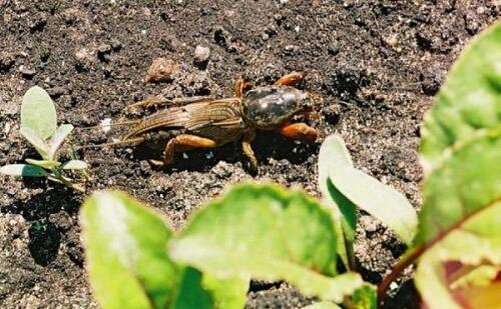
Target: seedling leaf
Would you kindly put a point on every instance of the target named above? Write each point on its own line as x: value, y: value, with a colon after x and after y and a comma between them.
x: 38, y: 112
x: 333, y: 154
x: 40, y: 146
x: 75, y: 165
x: 58, y: 138
x: 125, y: 242
x: 47, y: 164
x: 266, y: 232
x: 379, y: 200
x: 23, y: 170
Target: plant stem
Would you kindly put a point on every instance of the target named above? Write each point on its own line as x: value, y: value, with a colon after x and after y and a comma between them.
x: 57, y: 177
x: 401, y: 265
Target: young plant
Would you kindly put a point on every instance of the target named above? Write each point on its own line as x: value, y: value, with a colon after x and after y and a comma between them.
x: 38, y: 127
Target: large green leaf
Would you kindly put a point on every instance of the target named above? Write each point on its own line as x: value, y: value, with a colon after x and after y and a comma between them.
x: 266, y: 232
x: 470, y: 99
x: 460, y: 222
x: 333, y: 154
x: 38, y: 112
x: 128, y: 265
x: 125, y: 251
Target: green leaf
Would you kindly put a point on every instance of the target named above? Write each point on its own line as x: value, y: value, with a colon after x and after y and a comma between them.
x: 75, y: 165
x: 191, y: 294
x: 363, y: 298
x: 38, y: 112
x: 125, y: 252
x: 379, y: 200
x: 23, y: 170
x: 47, y: 164
x: 462, y: 186
x: 469, y: 100
x: 40, y: 146
x: 475, y: 241
x: 227, y: 293
x: 266, y: 232
x: 58, y: 138
x: 128, y: 265
x: 333, y: 154
x: 460, y: 221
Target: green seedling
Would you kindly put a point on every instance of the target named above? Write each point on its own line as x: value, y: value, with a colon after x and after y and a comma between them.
x: 39, y: 128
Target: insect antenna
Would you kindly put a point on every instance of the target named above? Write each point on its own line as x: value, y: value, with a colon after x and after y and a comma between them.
x: 118, y: 143
x: 111, y: 125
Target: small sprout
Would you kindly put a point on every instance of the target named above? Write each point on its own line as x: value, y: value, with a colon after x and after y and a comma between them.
x: 44, y: 135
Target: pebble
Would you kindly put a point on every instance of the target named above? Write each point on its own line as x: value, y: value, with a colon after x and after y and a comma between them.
x: 161, y: 69
x: 369, y: 224
x: 103, y: 52
x: 202, y: 54
x: 56, y: 92
x: 105, y: 125
x: 222, y: 170
x: 27, y: 72
x: 6, y: 128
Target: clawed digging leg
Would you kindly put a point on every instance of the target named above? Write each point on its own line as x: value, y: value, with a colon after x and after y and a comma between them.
x: 290, y: 79
x: 247, y: 149
x: 299, y: 131
x: 184, y: 142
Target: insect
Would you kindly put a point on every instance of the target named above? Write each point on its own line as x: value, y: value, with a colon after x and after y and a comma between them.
x: 205, y: 122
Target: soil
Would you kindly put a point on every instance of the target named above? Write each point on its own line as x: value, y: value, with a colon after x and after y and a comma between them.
x: 377, y: 65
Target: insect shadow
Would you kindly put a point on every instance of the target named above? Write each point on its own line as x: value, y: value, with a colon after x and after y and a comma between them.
x: 266, y: 145
x: 44, y: 234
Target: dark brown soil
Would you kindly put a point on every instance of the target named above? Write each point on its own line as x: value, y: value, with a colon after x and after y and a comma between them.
x: 376, y: 64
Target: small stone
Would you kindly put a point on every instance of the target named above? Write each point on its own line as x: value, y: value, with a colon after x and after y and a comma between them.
x: 27, y: 72
x: 145, y: 167
x: 369, y: 224
x: 6, y: 128
x: 116, y: 45
x: 105, y: 125
x: 333, y: 48
x: 56, y: 92
x: 222, y: 170
x: 103, y: 52
x: 202, y: 54
x: 38, y: 22
x: 161, y: 69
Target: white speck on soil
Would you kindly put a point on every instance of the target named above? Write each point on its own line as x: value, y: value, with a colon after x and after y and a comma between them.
x: 106, y: 125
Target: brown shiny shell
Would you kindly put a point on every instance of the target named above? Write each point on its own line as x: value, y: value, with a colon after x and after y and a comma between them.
x: 268, y: 107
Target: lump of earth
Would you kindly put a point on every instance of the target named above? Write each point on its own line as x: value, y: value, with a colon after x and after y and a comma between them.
x: 161, y: 69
